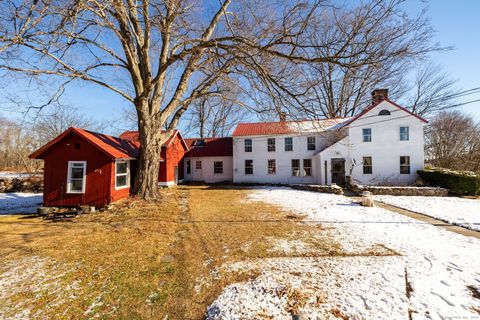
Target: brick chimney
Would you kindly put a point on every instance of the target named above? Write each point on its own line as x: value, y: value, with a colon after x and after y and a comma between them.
x: 283, y: 116
x: 379, y: 95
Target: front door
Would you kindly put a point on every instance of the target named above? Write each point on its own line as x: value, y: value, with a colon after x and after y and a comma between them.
x: 338, y: 171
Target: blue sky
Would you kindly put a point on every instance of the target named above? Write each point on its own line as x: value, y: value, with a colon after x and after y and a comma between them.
x: 457, y: 24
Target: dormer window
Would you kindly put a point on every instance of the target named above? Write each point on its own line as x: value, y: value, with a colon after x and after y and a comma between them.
x: 384, y: 112
x: 199, y: 143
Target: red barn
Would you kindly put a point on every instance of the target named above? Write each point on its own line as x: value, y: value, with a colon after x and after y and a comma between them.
x: 173, y: 151
x: 88, y: 168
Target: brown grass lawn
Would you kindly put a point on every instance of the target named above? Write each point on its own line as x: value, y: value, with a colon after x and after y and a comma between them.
x: 141, y: 260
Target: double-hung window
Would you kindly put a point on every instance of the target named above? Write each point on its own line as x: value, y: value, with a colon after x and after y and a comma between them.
x: 122, y: 174
x: 218, y: 167
x: 367, y: 165
x: 307, y: 167
x: 76, y: 176
x: 295, y: 167
x: 367, y: 135
x: 271, y: 144
x: 198, y: 165
x: 248, y: 166
x: 404, y: 134
x: 288, y: 144
x: 272, y: 169
x: 405, y: 165
x: 310, y: 143
x: 248, y: 145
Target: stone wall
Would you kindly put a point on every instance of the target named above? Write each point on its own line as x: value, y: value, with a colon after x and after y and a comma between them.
x: 28, y: 184
x: 401, y: 191
x: 318, y: 188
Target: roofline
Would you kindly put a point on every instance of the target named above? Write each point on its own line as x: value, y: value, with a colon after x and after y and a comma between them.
x: 176, y: 131
x: 372, y: 106
x: 36, y: 154
x: 303, y: 120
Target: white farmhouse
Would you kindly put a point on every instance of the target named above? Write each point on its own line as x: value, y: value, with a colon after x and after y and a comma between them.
x: 383, y: 145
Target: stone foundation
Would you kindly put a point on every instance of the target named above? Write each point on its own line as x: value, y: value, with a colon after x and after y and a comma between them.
x: 318, y: 188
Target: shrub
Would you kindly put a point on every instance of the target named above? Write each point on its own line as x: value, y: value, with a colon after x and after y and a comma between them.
x: 459, y: 182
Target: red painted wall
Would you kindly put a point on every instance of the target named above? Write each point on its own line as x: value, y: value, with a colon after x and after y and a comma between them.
x: 173, y: 155
x: 100, y: 171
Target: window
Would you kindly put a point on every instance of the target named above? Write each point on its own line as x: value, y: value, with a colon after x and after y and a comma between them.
x: 367, y: 135
x: 295, y: 167
x: 384, y: 112
x: 77, y: 145
x: 76, y: 176
x: 199, y: 143
x: 307, y: 167
x: 288, y: 144
x: 122, y: 174
x: 404, y: 134
x: 198, y: 165
x: 189, y: 167
x: 367, y: 165
x: 248, y: 145
x: 248, y: 166
x: 405, y: 165
x: 271, y: 166
x: 310, y: 143
x: 271, y: 144
x: 218, y: 167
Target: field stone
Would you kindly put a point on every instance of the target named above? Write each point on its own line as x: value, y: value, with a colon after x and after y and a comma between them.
x: 167, y: 258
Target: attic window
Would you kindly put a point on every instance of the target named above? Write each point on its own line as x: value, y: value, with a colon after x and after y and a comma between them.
x: 199, y: 143
x: 77, y: 145
x: 384, y: 112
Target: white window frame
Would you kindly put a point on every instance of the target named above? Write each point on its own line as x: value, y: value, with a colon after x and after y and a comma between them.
x: 308, y: 167
x: 311, y: 143
x: 215, y: 162
x: 122, y: 174
x: 407, y: 133
x: 364, y: 135
x: 69, y: 177
x: 290, y: 145
x: 248, y: 145
x: 271, y: 166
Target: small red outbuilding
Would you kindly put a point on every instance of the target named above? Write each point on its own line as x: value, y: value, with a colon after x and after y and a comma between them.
x: 88, y: 168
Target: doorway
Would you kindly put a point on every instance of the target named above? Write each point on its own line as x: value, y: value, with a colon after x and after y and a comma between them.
x: 338, y: 171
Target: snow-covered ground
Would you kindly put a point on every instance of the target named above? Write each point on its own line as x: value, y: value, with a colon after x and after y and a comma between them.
x: 19, y: 202
x: 462, y: 212
x: 11, y: 175
x: 429, y: 278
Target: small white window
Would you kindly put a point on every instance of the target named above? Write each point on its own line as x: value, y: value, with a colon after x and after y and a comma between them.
x: 122, y: 174
x: 404, y: 134
x: 218, y: 167
x: 198, y: 165
x: 76, y: 176
x: 367, y: 135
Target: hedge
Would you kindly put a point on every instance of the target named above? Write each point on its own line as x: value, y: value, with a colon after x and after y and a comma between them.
x: 458, y: 182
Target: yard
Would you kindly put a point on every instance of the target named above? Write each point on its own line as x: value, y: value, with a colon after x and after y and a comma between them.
x: 237, y: 253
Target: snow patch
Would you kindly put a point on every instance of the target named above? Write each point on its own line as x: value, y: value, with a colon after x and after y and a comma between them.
x: 19, y: 202
x: 458, y: 211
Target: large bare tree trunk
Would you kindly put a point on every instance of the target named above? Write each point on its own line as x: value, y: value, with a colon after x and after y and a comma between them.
x: 148, y: 165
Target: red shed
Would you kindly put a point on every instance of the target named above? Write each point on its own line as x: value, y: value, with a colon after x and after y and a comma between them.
x: 86, y: 168
x: 173, y: 151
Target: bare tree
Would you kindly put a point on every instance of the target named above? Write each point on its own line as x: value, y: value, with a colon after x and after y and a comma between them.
x: 162, y: 55
x: 47, y: 126
x: 16, y: 143
x: 453, y: 141
x: 433, y: 90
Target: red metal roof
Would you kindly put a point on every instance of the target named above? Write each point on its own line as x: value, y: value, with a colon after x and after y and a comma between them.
x: 133, y: 136
x: 213, y: 147
x: 113, y: 147
x: 285, y: 127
